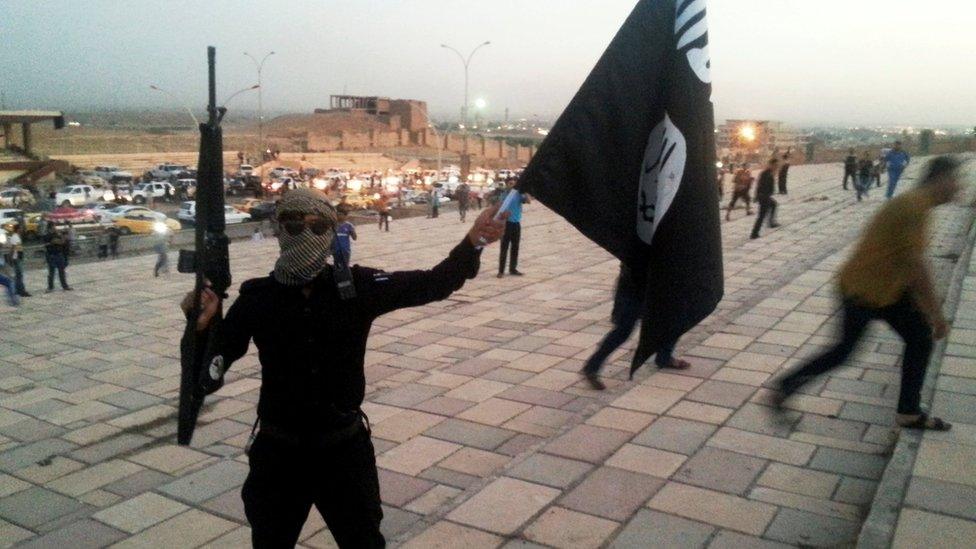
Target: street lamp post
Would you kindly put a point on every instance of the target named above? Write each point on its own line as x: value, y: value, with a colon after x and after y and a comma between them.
x: 259, y: 65
x: 196, y: 123
x: 466, y: 61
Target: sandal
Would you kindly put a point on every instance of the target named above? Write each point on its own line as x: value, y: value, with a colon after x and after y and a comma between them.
x: 923, y: 421
x: 675, y: 364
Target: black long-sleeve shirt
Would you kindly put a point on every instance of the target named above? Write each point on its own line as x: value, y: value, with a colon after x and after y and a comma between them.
x: 311, y: 349
x: 767, y: 184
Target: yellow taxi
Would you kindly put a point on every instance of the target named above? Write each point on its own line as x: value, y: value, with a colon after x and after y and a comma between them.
x: 31, y: 224
x: 145, y: 223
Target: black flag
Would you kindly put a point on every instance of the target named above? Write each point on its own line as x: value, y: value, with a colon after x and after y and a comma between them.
x: 631, y: 164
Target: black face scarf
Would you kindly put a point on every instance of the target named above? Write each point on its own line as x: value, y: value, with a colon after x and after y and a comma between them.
x: 303, y: 256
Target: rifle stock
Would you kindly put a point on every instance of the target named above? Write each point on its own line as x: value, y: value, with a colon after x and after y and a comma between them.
x: 202, y: 370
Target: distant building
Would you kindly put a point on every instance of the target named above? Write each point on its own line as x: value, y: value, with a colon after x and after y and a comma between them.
x: 399, y: 114
x: 756, y: 140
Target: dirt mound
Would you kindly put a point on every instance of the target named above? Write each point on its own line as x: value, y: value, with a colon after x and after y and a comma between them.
x: 332, y: 123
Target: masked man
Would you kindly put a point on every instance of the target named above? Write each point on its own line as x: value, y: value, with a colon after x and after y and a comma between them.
x: 313, y: 444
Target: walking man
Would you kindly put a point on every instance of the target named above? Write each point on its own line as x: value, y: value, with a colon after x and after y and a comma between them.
x: 741, y: 185
x: 850, y: 168
x: 864, y: 168
x: 896, y: 161
x: 113, y: 242
x: 764, y: 195
x: 783, y: 171
x: 56, y: 254
x: 888, y: 278
x: 463, y: 194
x: 513, y: 233
x: 162, y: 253
x: 313, y: 442
x: 627, y: 301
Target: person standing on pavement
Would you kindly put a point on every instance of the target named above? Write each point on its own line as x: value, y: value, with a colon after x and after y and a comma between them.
x: 888, y: 278
x: 513, y: 232
x: 764, y: 195
x: 896, y: 160
x: 383, y: 208
x: 628, y: 301
x: 55, y: 253
x: 313, y: 442
x: 162, y: 253
x: 741, y: 185
x: 113, y: 241
x: 345, y: 234
x: 463, y: 194
x: 16, y: 258
x: 6, y: 281
x: 783, y: 171
x: 864, y: 168
x: 850, y: 168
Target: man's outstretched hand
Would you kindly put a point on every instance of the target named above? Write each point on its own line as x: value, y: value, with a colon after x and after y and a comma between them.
x: 486, y: 229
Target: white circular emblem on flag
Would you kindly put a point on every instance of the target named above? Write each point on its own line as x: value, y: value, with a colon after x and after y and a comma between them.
x: 216, y: 367
x: 661, y: 173
x: 688, y: 28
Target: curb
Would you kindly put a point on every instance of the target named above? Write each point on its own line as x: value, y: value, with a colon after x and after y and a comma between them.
x: 878, y: 530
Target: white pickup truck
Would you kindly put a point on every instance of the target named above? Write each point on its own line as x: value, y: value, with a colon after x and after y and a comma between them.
x: 155, y: 189
x: 163, y: 172
x: 76, y: 195
x: 112, y: 173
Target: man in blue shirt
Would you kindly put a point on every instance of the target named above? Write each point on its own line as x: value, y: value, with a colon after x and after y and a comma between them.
x: 513, y: 232
x: 896, y: 160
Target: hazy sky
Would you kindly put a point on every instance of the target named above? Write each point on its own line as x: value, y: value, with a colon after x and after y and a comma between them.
x: 804, y: 61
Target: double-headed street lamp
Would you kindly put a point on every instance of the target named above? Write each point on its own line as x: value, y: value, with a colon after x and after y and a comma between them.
x: 466, y: 61
x: 196, y: 123
x: 259, y: 65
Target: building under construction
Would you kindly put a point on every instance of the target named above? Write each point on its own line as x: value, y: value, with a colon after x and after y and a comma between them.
x: 399, y: 114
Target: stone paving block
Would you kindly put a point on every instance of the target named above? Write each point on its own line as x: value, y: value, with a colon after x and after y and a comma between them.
x: 819, y: 506
x: 472, y: 461
x: 869, y: 413
x: 29, y: 454
x: 831, y: 427
x: 449, y: 477
x: 560, y: 527
x: 110, y: 447
x: 845, y: 462
x: 169, y: 458
x: 611, y: 493
x: 763, y: 446
x: 415, y: 455
x: 649, y: 399
x: 36, y: 506
x: 227, y: 505
x: 447, y: 535
x: 708, y: 413
x: 674, y: 434
x: 504, y: 505
x: 763, y: 420
x: 468, y: 433
x: 239, y: 537
x: 434, y: 498
x: 955, y: 407
x: 444, y: 406
x: 397, y: 489
x: 534, y: 395
x: 756, y: 362
x: 11, y: 485
x: 405, y: 425
x: 946, y: 461
x: 549, y: 470
x: 712, y: 507
x: 47, y: 470
x: 743, y: 377
x: 622, y: 420
x: 588, y: 443
x: 138, y: 483
x: 947, y: 498
x: 799, y: 480
x: 650, y: 529
x: 11, y: 534
x: 494, y: 411
x: 189, y: 529
x: 207, y: 482
x: 922, y: 529
x: 140, y: 512
x: 93, y: 477
x: 721, y: 470
x: 84, y: 534
x: 409, y: 394
x: 477, y: 390
x: 648, y: 461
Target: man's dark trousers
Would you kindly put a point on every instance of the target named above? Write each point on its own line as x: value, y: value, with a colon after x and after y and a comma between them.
x: 513, y: 234
x: 767, y: 206
x: 287, y: 478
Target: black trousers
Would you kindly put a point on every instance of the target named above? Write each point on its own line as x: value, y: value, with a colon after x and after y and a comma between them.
x: 852, y: 175
x: 56, y: 262
x: 781, y: 184
x: 767, y: 207
x: 903, y: 317
x: 736, y: 195
x: 511, y: 239
x: 286, y: 479
x: 385, y: 219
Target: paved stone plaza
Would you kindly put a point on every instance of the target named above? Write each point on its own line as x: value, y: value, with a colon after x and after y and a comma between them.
x: 484, y: 434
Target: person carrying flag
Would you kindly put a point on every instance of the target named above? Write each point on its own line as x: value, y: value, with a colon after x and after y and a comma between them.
x: 627, y: 301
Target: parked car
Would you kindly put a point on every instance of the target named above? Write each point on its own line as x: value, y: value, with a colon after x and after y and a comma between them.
x: 189, y: 186
x: 8, y: 214
x: 246, y: 169
x: 112, y: 173
x: 234, y: 187
x: 31, y: 223
x: 139, y: 222
x: 162, y: 172
x: 76, y: 195
x: 188, y: 213
x: 264, y: 210
x: 87, y: 177
x: 248, y: 203
x: 121, y: 211
x: 67, y: 214
x: 16, y: 197
x: 98, y: 209
x: 123, y: 193
x: 156, y: 189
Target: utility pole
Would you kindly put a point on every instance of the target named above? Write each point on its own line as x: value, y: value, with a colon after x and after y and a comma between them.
x: 259, y: 65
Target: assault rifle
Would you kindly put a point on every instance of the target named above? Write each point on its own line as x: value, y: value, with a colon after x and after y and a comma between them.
x: 202, y: 370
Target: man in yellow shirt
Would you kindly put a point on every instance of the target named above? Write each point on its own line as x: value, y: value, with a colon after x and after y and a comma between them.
x: 887, y: 278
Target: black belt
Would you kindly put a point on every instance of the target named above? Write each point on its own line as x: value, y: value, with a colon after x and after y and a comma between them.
x: 329, y: 438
